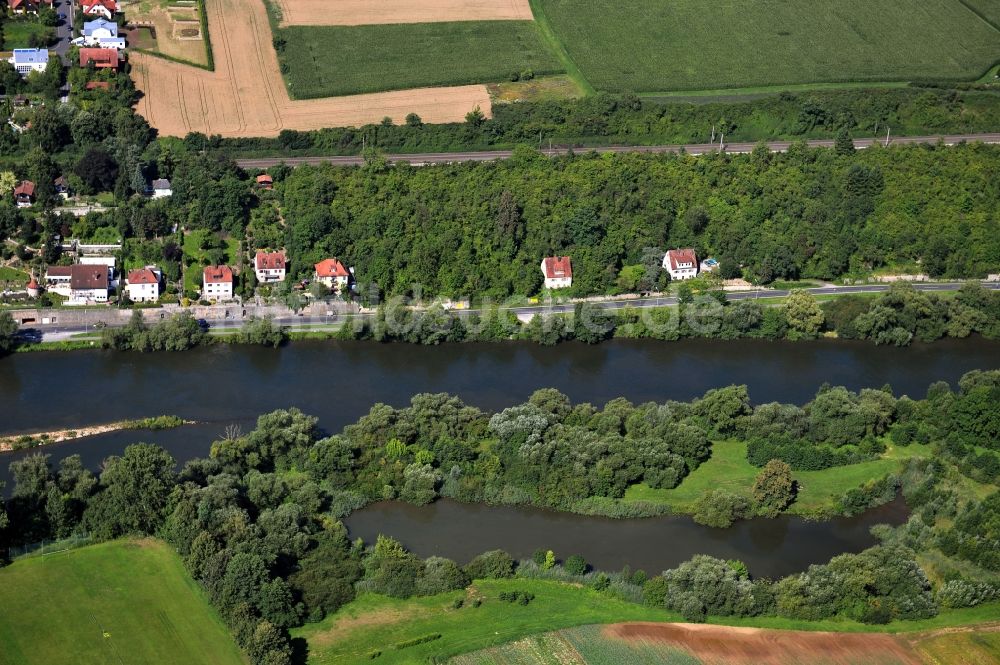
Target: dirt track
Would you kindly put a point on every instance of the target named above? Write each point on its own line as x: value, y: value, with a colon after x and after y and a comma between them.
x: 370, y: 12
x: 245, y: 95
x: 723, y: 645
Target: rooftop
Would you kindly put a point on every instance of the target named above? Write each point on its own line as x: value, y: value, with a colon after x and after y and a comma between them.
x: 218, y: 275
x: 331, y: 268
x: 556, y: 267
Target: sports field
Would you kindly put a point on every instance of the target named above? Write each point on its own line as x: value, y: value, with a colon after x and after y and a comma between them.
x: 327, y: 61
x: 662, y: 45
x: 120, y: 602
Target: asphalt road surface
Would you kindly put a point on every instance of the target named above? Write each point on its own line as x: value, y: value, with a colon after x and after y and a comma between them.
x: 424, y: 159
x: 59, y: 333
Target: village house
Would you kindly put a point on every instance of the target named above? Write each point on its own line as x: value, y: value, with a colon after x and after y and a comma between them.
x: 61, y: 185
x: 332, y: 274
x: 102, y: 58
x: 24, y: 194
x: 143, y: 285
x: 160, y: 188
x: 82, y: 284
x: 105, y: 8
x: 28, y: 6
x: 265, y: 181
x: 217, y: 283
x: 270, y: 266
x: 27, y: 60
x: 681, y: 264
x: 558, y: 272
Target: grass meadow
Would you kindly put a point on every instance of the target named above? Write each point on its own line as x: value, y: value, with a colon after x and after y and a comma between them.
x: 118, y: 602
x: 988, y: 9
x: 327, y: 61
x: 650, y: 46
x: 729, y: 469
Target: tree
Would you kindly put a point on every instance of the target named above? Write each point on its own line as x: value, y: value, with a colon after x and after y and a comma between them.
x: 134, y: 492
x: 804, y: 315
x: 575, y: 565
x: 844, y: 145
x: 8, y: 332
x: 413, y: 120
x: 97, y: 170
x: 720, y: 508
x: 8, y: 181
x: 773, y: 489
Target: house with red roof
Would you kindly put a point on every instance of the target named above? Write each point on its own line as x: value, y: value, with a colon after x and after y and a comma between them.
x: 264, y: 181
x: 681, y: 264
x: 270, y: 266
x: 102, y: 58
x: 105, y: 8
x: 24, y: 194
x: 558, y: 272
x: 143, y: 285
x: 217, y: 283
x: 332, y: 274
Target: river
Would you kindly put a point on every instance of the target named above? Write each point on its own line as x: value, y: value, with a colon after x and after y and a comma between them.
x: 338, y: 382
x: 770, y: 548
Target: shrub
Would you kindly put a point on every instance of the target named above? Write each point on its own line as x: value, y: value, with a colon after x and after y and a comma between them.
x: 492, y: 565
x: 720, y: 508
x: 575, y: 565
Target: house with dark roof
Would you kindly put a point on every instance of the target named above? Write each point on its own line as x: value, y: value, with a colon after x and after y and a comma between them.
x: 557, y: 271
x: 217, y: 283
x: 61, y: 185
x: 28, y: 6
x: 270, y: 266
x: 681, y: 264
x: 24, y: 194
x: 160, y: 188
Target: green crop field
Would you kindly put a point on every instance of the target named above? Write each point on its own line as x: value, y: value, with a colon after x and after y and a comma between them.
x: 661, y: 45
x: 729, y: 469
x: 119, y: 602
x: 327, y: 61
x: 988, y: 9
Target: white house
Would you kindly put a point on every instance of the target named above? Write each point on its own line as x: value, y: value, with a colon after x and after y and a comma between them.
x: 681, y: 264
x: 270, y: 267
x: 143, y: 285
x: 333, y: 274
x: 100, y: 28
x: 27, y: 60
x: 558, y: 272
x: 217, y: 283
x: 161, y: 188
x: 82, y: 284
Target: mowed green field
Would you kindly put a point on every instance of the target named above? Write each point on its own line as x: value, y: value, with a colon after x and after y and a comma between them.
x: 664, y: 45
x: 57, y: 609
x: 327, y: 61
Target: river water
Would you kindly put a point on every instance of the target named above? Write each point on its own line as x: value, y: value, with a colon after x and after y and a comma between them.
x: 770, y: 548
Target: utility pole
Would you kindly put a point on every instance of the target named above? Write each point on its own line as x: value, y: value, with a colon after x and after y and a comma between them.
x: 722, y: 144
x: 713, y: 134
x: 887, y: 129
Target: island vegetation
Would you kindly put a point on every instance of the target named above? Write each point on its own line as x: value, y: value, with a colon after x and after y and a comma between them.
x: 258, y: 522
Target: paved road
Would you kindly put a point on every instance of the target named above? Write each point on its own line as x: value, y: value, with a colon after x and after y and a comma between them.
x: 63, y: 333
x: 693, y: 149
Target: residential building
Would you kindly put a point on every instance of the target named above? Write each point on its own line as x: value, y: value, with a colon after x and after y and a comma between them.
x: 105, y: 8
x: 217, y: 283
x: 332, y: 274
x: 28, y: 6
x: 82, y: 284
x: 161, y: 188
x: 681, y: 264
x: 27, y: 60
x: 62, y: 186
x: 101, y: 58
x: 265, y: 181
x: 270, y: 266
x: 94, y: 30
x: 24, y: 194
x: 558, y: 272
x: 143, y: 285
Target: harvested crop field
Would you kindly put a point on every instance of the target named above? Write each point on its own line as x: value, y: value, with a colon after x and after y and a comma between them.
x: 369, y: 12
x: 706, y: 45
x: 246, y: 96
x: 326, y: 61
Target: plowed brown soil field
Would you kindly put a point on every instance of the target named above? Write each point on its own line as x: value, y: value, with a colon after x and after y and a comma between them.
x: 245, y: 95
x: 371, y: 12
x: 724, y: 645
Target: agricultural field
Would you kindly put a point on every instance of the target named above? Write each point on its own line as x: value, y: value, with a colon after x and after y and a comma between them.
x: 245, y: 95
x: 327, y: 61
x: 729, y: 469
x: 988, y: 9
x: 178, y: 28
x: 697, y: 45
x: 117, y: 602
x: 365, y: 12
x: 687, y: 644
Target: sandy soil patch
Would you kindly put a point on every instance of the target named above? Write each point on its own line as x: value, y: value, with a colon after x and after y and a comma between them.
x: 375, y: 12
x: 167, y: 19
x: 246, y: 96
x: 724, y: 645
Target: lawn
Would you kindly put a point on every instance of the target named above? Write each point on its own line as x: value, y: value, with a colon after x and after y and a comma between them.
x: 118, y: 602
x: 327, y: 61
x: 373, y: 622
x: 12, y: 277
x: 192, y: 248
x: 17, y: 31
x: 728, y: 469
x: 651, y: 45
